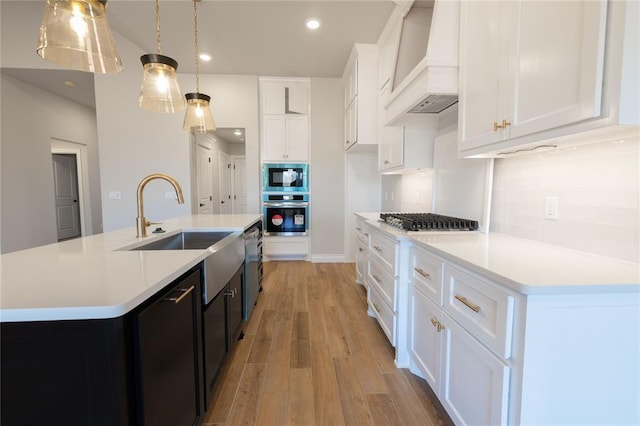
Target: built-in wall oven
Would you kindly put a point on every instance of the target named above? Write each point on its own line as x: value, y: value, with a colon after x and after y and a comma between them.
x: 286, y: 214
x: 280, y: 177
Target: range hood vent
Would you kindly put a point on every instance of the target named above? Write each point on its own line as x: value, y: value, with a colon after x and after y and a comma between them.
x: 429, y: 36
x: 434, y: 104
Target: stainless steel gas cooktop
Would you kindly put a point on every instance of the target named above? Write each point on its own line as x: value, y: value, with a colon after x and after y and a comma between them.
x: 428, y: 222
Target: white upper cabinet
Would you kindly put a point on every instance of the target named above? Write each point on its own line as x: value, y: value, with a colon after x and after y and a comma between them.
x: 284, y: 117
x: 406, y: 149
x: 361, y: 98
x: 282, y: 96
x: 534, y: 71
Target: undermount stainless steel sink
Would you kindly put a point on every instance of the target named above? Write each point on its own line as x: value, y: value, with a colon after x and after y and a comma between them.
x: 226, y: 255
x: 186, y: 241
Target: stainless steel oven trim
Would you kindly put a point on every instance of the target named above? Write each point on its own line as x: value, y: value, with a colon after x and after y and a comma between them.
x: 286, y: 204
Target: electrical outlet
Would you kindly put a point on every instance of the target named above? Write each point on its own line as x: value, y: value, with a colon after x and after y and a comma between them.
x: 551, y: 208
x: 115, y: 195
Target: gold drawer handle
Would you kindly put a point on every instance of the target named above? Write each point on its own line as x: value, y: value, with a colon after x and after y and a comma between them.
x: 475, y: 308
x: 437, y: 324
x: 505, y: 123
x: 378, y: 248
x: 377, y: 278
x: 185, y: 292
x: 496, y: 126
x: 422, y: 272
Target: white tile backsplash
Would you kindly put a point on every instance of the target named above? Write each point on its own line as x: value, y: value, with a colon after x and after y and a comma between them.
x: 598, y: 190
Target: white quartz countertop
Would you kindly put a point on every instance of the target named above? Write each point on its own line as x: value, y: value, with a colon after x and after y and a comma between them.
x: 93, y: 277
x: 526, y: 266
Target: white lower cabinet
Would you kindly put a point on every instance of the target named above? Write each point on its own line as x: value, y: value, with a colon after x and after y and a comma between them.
x: 471, y: 381
x: 382, y: 281
x: 475, y: 383
x: 425, y: 338
x: 494, y: 356
x: 362, y: 250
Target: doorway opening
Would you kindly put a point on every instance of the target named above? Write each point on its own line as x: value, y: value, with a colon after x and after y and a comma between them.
x: 67, y: 189
x: 219, y: 172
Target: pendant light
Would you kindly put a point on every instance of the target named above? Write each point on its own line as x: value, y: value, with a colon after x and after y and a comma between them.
x: 160, y: 91
x: 76, y: 35
x: 198, y: 117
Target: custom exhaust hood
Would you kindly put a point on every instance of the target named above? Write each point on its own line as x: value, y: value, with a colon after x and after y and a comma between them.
x: 425, y: 78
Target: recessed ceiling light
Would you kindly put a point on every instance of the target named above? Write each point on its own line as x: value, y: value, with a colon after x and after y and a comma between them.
x: 312, y: 23
x: 205, y: 57
x: 69, y: 83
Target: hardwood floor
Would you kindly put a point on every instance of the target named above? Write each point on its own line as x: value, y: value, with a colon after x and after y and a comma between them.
x: 311, y: 356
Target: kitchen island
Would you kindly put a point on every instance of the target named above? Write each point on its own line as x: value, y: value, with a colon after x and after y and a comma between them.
x: 98, y: 276
x: 100, y: 330
x: 507, y: 330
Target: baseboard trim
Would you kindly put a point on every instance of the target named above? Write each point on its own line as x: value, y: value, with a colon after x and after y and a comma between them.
x: 328, y: 258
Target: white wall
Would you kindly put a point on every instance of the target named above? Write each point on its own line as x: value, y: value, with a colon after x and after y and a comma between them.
x: 28, y: 215
x: 326, y: 171
x: 135, y: 143
x: 598, y: 189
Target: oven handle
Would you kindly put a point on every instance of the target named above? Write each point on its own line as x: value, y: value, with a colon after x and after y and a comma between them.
x: 287, y: 204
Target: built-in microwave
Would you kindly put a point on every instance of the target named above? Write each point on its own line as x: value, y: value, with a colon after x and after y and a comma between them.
x: 278, y: 177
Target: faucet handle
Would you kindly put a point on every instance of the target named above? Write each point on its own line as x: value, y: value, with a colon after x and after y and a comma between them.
x: 147, y: 223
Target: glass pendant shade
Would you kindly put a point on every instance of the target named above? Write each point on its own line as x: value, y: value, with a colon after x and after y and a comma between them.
x: 76, y: 35
x: 198, y: 118
x: 160, y: 91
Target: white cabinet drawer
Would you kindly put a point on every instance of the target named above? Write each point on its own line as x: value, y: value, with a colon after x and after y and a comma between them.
x: 384, y: 315
x: 361, y: 231
x: 485, y: 310
x: 426, y: 274
x: 384, y: 248
x: 380, y: 278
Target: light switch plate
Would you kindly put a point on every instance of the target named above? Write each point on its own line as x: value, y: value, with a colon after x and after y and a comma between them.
x: 551, y: 208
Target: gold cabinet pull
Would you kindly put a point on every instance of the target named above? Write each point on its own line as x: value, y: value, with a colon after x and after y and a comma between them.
x: 185, y: 292
x: 377, y: 278
x: 505, y: 123
x: 422, y: 272
x: 377, y: 248
x: 437, y: 324
x: 475, y: 308
x: 496, y: 126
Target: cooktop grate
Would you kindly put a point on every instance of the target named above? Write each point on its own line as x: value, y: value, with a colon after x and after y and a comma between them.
x: 428, y: 222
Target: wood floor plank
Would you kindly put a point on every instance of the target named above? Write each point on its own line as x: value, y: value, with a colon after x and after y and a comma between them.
x: 226, y: 387
x: 353, y: 401
x: 262, y: 341
x: 328, y: 409
x: 409, y: 408
x: 245, y: 406
x: 428, y: 399
x: 301, y: 396
x: 383, y: 410
x: 336, y: 334
x: 273, y: 405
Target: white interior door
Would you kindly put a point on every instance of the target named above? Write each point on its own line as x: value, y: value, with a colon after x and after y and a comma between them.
x: 239, y: 185
x: 204, y: 179
x: 65, y: 181
x: 225, y: 183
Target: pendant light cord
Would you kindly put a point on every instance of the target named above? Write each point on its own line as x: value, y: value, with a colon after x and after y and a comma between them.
x: 158, y: 25
x: 195, y: 27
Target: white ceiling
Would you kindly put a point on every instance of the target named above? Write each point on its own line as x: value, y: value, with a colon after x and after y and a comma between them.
x: 259, y: 37
x: 254, y: 37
